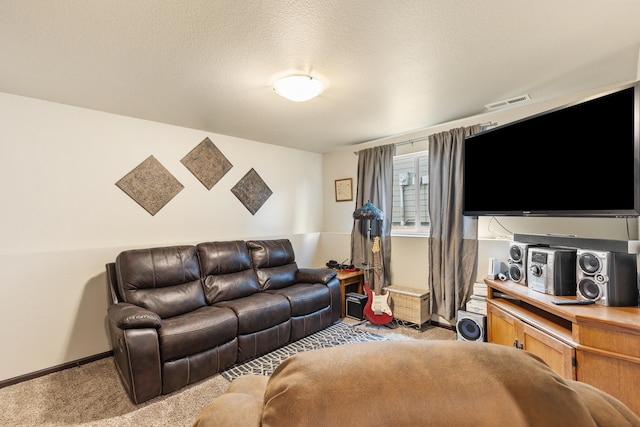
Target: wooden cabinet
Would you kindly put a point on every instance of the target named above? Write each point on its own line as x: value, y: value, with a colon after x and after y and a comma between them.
x: 507, y: 329
x: 594, y: 344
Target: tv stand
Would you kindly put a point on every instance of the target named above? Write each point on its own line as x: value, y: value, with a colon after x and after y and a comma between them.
x: 593, y: 344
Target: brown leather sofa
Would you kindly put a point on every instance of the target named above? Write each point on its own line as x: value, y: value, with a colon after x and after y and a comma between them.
x: 180, y: 314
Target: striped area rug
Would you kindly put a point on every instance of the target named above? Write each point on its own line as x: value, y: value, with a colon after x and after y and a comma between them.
x: 337, y: 334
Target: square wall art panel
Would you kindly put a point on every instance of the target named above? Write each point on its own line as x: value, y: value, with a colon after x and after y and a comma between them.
x: 252, y: 191
x: 150, y: 185
x: 207, y: 163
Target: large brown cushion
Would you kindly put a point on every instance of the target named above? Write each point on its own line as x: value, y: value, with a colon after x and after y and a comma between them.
x: 227, y: 270
x: 240, y: 406
x: 406, y: 383
x: 415, y: 383
x: 259, y: 311
x: 197, y: 331
x: 274, y: 262
x: 604, y: 408
x: 305, y: 298
x: 163, y: 280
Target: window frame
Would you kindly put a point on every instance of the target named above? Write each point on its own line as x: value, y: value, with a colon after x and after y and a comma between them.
x: 418, y: 230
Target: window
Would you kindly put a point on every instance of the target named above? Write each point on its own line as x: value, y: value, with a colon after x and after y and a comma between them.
x: 410, y: 194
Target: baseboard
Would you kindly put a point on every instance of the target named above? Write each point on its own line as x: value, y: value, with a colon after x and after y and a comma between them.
x: 43, y: 372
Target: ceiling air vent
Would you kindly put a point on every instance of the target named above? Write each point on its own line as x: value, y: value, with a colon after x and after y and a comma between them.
x: 507, y: 102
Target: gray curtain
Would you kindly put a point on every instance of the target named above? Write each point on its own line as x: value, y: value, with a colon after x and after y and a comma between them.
x: 453, y: 240
x: 375, y: 184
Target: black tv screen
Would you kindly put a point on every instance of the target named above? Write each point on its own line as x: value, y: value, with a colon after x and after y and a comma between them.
x: 578, y: 160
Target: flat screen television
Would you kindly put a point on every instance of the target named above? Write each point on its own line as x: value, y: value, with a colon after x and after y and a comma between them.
x: 578, y: 160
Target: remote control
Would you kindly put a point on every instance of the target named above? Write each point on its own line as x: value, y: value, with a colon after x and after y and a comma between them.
x: 574, y: 302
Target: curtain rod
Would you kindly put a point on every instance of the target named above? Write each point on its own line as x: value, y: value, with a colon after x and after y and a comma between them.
x: 424, y: 138
x: 411, y: 141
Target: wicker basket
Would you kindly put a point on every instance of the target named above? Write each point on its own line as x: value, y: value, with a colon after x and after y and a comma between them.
x: 408, y: 304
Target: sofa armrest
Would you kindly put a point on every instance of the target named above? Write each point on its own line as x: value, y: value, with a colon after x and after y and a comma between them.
x: 129, y: 316
x: 328, y: 278
x: 133, y: 331
x: 315, y: 275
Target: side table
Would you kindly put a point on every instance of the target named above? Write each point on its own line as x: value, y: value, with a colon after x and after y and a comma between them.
x: 352, y: 279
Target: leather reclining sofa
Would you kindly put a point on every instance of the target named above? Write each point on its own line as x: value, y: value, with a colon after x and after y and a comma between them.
x: 180, y: 314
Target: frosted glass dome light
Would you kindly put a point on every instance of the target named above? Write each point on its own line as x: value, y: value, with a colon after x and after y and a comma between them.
x: 298, y: 88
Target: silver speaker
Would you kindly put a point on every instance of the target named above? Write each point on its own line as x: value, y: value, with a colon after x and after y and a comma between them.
x: 471, y: 326
x: 608, y: 278
x: 517, y: 261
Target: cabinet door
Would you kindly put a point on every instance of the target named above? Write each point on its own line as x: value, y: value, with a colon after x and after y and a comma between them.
x: 558, y: 355
x: 506, y: 329
x: 501, y: 326
x: 617, y: 376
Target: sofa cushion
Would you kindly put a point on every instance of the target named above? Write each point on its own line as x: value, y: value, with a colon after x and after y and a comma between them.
x: 415, y: 383
x: 454, y: 382
x: 277, y: 277
x: 271, y: 253
x: 258, y: 311
x: 226, y: 287
x: 164, y: 280
x: 240, y: 405
x: 227, y: 270
x: 274, y: 262
x: 305, y: 298
x: 199, y: 330
x: 605, y: 409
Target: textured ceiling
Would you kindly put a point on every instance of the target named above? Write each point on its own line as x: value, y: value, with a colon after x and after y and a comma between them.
x: 389, y: 67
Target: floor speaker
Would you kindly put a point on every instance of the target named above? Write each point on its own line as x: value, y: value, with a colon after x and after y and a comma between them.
x: 471, y: 326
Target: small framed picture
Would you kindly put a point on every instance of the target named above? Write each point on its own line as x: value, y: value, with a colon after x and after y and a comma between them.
x: 344, y: 190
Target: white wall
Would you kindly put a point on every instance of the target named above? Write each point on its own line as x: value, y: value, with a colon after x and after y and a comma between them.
x: 63, y: 218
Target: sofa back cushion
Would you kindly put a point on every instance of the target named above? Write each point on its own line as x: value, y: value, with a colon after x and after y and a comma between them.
x: 164, y: 280
x: 227, y: 271
x: 274, y: 262
x: 424, y: 382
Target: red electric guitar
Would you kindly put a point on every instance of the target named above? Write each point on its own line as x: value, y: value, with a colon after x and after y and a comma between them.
x: 377, y: 309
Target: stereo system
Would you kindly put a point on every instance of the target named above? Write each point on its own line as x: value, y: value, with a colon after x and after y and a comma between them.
x: 608, y: 277
x: 552, y: 271
x: 471, y: 326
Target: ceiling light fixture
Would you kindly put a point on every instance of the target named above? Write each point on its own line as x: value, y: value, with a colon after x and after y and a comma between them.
x: 298, y: 88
